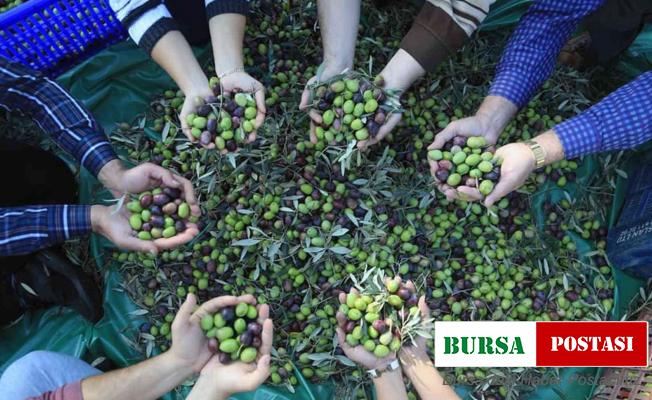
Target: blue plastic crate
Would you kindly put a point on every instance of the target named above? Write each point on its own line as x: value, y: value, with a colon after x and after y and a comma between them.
x: 54, y: 35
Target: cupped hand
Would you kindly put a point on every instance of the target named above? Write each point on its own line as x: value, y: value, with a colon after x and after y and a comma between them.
x: 358, y: 354
x: 190, y: 104
x: 219, y: 381
x: 518, y: 162
x: 243, y: 82
x: 114, y: 225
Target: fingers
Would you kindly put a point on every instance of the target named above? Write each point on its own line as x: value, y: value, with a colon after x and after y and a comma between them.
x: 189, y: 193
x: 315, y: 116
x: 260, y: 104
x: 213, y: 305
x: 186, y: 310
x: 505, y: 186
x: 423, y: 307
x: 313, y: 133
x: 444, y: 136
x: 469, y: 193
x: 305, y: 98
x: 263, y: 313
x: 384, y: 130
x: 252, y: 137
x: 341, y: 339
x: 341, y: 318
x: 261, y: 373
x: 267, y: 337
x: 135, y: 244
x: 177, y: 240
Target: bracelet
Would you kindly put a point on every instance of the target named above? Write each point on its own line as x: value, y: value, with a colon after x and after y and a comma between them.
x: 539, y: 153
x: 375, y: 373
x: 231, y: 71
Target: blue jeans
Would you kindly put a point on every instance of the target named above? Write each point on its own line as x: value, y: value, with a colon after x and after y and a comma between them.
x: 42, y: 371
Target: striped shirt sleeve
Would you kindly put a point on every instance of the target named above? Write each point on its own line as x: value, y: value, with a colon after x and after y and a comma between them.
x: 441, y: 28
x: 54, y: 110
x: 532, y: 50
x: 147, y: 21
x: 24, y: 230
x: 620, y: 121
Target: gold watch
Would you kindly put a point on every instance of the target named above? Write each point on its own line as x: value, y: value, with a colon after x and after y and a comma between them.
x: 539, y: 153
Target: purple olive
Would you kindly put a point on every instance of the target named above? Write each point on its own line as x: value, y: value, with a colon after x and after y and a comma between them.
x: 206, y: 138
x: 238, y: 112
x: 380, y: 117
x: 256, y: 342
x: 211, y: 125
x: 180, y: 226
x: 404, y: 293
x: 146, y: 200
x: 224, y: 358
x: 380, y: 326
x: 459, y: 141
x: 228, y: 313
x: 255, y: 328
x: 161, y: 199
x: 155, y: 210
x: 230, y: 106
x: 157, y: 221
x: 146, y: 227
x: 210, y: 99
x: 445, y: 164
x: 373, y: 128
x: 246, y: 338
x: 349, y: 327
x: 203, y: 110
x: 172, y: 193
x: 231, y: 145
x: 441, y: 175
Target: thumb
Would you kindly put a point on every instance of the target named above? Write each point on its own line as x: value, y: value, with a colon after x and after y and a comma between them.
x: 186, y: 309
x: 261, y: 372
x: 505, y: 185
x: 305, y: 98
x: 444, y: 136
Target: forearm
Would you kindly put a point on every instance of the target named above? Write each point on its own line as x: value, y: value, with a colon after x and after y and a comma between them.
x: 401, y: 71
x: 390, y: 386
x: 338, y: 21
x: 31, y: 228
x: 173, y: 53
x: 497, y: 112
x: 227, y: 35
x: 429, y: 383
x: 620, y: 121
x: 149, y: 379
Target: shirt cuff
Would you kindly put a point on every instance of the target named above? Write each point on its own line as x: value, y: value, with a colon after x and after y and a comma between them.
x: 511, y: 84
x: 217, y: 7
x: 433, y: 37
x: 68, y: 221
x: 580, y: 135
x: 150, y: 27
x: 94, y: 151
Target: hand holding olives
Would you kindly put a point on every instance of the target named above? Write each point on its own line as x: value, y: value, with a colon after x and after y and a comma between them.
x: 350, y: 107
x: 465, y: 168
x: 162, y: 213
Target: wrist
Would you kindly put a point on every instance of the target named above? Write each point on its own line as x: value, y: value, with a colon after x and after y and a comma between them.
x: 496, y: 112
x: 111, y: 175
x: 401, y: 71
x: 333, y: 66
x: 389, y: 378
x: 97, y: 215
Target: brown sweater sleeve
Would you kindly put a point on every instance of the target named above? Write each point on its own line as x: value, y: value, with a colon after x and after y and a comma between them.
x: 441, y: 28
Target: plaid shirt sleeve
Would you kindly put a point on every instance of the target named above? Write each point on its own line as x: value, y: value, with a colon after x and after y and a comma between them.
x: 532, y: 50
x: 67, y: 121
x: 620, y: 121
x: 24, y: 230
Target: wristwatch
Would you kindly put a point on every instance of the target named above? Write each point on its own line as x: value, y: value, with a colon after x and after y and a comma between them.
x: 375, y: 373
x: 539, y: 153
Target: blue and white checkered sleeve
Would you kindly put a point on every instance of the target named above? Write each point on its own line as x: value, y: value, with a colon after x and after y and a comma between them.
x: 55, y: 111
x: 24, y: 230
x: 532, y: 50
x: 620, y: 121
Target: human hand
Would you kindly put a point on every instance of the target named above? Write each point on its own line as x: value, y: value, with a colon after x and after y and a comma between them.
x: 358, y: 354
x: 219, y: 381
x: 416, y: 353
x: 243, y: 82
x: 190, y: 104
x: 189, y: 342
x: 518, y: 162
x: 328, y: 71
